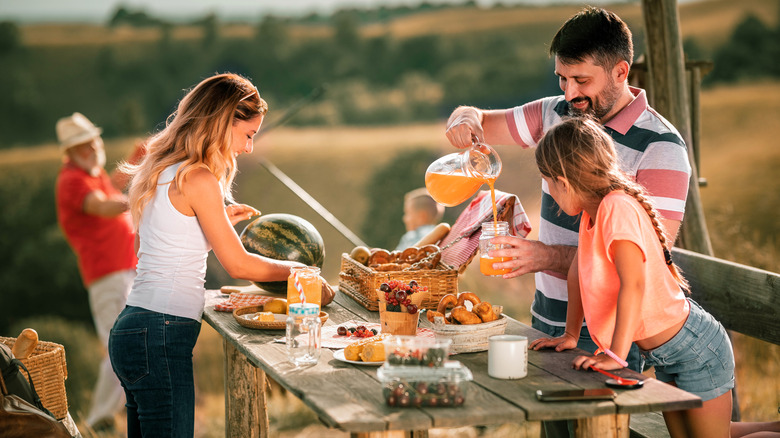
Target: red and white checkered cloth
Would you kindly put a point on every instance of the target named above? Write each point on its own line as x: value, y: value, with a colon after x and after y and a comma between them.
x: 469, y: 225
x: 241, y: 299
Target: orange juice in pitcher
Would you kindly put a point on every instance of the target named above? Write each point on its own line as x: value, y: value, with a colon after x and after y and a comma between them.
x: 454, y: 178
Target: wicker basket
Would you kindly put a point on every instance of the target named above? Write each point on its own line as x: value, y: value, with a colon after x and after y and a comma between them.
x: 48, y: 371
x: 471, y: 337
x: 361, y: 282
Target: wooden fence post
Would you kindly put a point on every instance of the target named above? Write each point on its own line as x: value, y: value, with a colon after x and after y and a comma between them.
x: 667, y: 79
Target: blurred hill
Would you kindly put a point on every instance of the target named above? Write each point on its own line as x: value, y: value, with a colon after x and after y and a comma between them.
x: 378, y: 66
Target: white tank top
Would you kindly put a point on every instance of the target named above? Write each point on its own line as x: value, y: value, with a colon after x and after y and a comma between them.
x: 171, y: 257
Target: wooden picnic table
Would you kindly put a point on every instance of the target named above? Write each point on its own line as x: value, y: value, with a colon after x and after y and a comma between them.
x: 349, y: 397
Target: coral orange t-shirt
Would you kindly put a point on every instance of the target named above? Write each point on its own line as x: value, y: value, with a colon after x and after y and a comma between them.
x: 621, y: 217
x: 103, y: 245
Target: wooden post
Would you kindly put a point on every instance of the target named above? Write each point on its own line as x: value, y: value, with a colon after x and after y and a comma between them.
x: 666, y: 71
x: 246, y: 413
x: 603, y: 426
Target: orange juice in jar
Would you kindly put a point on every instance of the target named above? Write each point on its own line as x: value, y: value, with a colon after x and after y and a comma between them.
x: 489, y: 231
x: 486, y: 266
x: 310, y: 281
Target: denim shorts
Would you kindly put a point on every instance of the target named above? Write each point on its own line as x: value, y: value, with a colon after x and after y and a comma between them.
x: 698, y: 359
x: 151, y: 353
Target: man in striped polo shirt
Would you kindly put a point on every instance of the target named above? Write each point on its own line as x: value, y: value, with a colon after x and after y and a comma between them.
x: 593, y: 53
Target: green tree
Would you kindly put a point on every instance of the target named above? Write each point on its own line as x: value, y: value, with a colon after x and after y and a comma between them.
x: 10, y: 41
x: 750, y: 52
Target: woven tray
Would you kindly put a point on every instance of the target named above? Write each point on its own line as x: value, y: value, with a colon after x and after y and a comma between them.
x: 361, y: 282
x: 48, y: 371
x: 471, y: 337
x: 264, y: 325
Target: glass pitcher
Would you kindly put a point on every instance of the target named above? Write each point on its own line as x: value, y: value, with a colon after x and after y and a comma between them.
x: 454, y: 178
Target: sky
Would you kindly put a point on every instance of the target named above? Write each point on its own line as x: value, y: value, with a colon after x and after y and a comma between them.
x: 102, y: 10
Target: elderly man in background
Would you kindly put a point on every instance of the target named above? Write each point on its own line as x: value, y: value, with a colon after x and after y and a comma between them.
x: 93, y: 214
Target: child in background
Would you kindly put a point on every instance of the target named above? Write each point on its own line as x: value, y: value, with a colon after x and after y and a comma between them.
x: 421, y: 215
x: 624, y: 284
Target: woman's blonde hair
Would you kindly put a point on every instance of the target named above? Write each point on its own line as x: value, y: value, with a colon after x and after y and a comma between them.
x: 579, y: 150
x: 198, y: 135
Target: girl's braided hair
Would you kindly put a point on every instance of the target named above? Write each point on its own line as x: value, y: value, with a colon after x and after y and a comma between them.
x: 579, y: 150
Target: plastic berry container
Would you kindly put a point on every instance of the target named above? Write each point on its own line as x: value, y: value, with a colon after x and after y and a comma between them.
x: 413, y: 387
x: 416, y: 351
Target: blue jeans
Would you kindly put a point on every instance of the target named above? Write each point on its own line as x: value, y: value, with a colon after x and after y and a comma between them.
x: 151, y: 353
x: 565, y: 428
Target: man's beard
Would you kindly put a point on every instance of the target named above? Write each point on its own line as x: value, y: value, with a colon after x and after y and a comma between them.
x: 604, y: 104
x: 93, y: 164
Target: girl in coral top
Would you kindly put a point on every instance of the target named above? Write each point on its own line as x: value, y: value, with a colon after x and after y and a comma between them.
x: 624, y: 284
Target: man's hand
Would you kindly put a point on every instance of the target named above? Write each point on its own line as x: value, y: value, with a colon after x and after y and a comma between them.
x: 240, y: 212
x: 464, y: 127
x: 531, y: 256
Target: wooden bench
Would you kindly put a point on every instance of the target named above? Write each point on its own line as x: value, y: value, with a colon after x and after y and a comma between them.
x: 744, y: 299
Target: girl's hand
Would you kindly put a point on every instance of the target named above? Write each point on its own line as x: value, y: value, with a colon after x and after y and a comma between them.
x: 563, y: 342
x: 240, y: 212
x: 602, y: 362
x: 327, y: 293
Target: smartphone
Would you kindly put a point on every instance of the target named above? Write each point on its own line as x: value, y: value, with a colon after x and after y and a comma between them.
x: 576, y: 394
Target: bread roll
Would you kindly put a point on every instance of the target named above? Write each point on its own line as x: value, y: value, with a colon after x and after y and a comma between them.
x: 434, y: 236
x: 25, y: 344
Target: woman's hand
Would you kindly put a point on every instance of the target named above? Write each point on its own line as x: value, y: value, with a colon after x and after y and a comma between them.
x: 240, y: 212
x: 602, y: 362
x: 327, y: 293
x: 563, y: 342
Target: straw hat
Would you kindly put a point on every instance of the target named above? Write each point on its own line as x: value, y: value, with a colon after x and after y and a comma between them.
x: 75, y: 130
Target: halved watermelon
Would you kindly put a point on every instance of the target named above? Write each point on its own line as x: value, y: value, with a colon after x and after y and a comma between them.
x: 284, y: 237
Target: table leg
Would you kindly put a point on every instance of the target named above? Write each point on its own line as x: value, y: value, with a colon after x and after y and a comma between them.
x: 246, y: 413
x: 603, y: 426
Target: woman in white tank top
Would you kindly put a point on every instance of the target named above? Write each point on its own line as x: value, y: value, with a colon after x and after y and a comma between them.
x: 178, y: 196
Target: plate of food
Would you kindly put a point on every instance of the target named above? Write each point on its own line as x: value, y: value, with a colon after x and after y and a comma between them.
x: 339, y: 355
x: 258, y: 317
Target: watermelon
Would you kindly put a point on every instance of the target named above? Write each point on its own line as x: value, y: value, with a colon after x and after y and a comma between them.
x: 283, y: 237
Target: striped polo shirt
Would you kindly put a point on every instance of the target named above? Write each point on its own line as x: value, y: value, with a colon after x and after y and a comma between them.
x: 650, y: 150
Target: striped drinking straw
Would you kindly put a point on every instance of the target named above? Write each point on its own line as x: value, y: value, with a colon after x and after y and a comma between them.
x: 298, y: 286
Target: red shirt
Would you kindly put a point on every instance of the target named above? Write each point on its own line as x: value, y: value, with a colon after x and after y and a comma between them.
x: 103, y: 245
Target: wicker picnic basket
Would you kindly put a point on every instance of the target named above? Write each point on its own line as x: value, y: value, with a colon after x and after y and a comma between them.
x: 361, y: 282
x: 48, y: 371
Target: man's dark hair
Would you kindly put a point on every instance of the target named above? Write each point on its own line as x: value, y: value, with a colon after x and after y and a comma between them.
x: 596, y: 33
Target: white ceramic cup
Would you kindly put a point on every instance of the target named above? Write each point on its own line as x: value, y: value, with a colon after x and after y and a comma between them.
x: 507, y: 356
